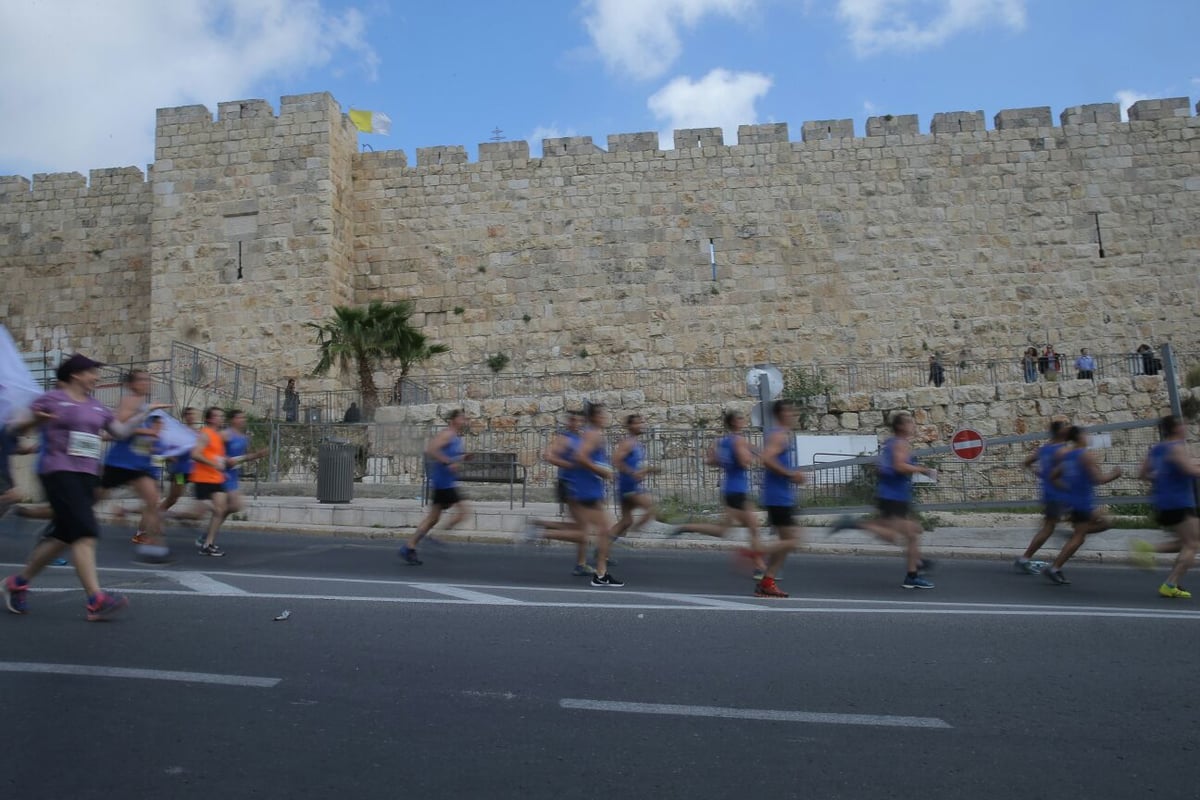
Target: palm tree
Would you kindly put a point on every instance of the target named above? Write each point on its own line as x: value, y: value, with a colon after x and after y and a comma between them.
x: 412, y: 350
x: 362, y: 340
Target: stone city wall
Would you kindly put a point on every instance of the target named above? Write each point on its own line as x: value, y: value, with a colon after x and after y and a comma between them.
x: 75, y: 262
x: 970, y: 241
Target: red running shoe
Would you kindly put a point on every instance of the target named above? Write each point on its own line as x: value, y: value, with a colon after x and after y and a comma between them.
x: 768, y: 588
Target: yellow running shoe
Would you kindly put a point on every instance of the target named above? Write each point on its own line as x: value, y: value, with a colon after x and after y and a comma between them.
x: 1141, y: 553
x: 1177, y: 592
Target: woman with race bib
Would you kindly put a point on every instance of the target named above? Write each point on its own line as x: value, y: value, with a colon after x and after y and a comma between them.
x: 71, y: 422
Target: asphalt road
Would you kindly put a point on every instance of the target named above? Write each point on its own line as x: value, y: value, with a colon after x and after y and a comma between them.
x: 491, y: 673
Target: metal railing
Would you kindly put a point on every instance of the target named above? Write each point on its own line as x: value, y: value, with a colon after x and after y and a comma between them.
x: 684, y: 483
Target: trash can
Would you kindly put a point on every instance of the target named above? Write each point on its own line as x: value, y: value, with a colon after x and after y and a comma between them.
x: 335, y: 471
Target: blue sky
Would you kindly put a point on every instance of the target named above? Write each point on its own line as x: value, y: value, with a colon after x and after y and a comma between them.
x: 450, y: 73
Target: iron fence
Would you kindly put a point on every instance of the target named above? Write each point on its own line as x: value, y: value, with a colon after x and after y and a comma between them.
x: 684, y: 483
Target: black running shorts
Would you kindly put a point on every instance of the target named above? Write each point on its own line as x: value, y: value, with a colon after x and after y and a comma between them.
x: 735, y: 500
x: 1170, y: 517
x: 781, y: 516
x: 71, y: 496
x: 893, y: 509
x: 119, y: 476
x: 445, y: 498
x: 205, y: 491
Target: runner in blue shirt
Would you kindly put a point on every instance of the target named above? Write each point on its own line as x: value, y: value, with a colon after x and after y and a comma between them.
x: 443, y: 453
x: 781, y: 475
x: 1173, y: 475
x: 1077, y: 472
x: 630, y: 461
x: 894, y: 498
x: 733, y: 454
x: 1041, y: 462
x: 561, y: 454
x: 179, y: 468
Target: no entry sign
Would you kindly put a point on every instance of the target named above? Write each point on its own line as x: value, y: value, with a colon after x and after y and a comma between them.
x: 967, y: 444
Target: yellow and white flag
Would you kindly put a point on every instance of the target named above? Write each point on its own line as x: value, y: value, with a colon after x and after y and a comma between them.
x: 371, y: 121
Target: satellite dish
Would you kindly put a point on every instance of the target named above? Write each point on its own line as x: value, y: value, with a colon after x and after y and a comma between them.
x: 774, y: 379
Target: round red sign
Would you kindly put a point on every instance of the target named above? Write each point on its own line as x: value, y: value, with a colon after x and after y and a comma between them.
x: 967, y: 444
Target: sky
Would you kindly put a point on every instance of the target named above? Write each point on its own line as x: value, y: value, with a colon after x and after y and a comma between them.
x: 80, y: 80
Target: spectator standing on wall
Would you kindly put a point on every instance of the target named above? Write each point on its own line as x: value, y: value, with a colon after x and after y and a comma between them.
x: 353, y: 414
x: 1049, y: 363
x: 937, y: 373
x: 1029, y: 364
x: 1085, y: 366
x: 291, y: 402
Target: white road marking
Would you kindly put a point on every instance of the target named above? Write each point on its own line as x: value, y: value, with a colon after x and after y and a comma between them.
x: 201, y: 583
x: 468, y: 594
x: 139, y: 674
x: 701, y: 600
x: 774, y: 607
x: 464, y: 594
x: 811, y: 717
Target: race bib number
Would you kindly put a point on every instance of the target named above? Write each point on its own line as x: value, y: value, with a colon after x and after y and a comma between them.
x: 83, y: 445
x: 143, y: 445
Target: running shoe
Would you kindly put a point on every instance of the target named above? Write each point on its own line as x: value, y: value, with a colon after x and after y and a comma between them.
x: 17, y: 591
x: 1141, y: 553
x: 583, y: 571
x: 607, y: 579
x: 60, y: 562
x: 409, y: 556
x: 1056, y: 576
x: 201, y: 540
x: 140, y: 538
x: 1175, y: 592
x: 530, y: 532
x: 758, y: 574
x: 1029, y: 567
x: 768, y: 588
x: 152, y: 554
x: 843, y: 523
x: 916, y: 582
x: 211, y: 550
x: 104, y: 605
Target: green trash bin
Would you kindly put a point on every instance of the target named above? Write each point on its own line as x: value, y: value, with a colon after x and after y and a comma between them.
x: 335, y: 471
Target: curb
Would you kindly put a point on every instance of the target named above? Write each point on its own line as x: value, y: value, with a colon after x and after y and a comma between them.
x: 666, y: 545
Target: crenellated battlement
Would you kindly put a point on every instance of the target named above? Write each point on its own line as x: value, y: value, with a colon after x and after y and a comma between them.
x: 71, y: 185
x: 835, y: 133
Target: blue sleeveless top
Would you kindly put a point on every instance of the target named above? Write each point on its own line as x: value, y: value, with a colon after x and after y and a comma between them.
x: 1173, y: 488
x: 572, y: 437
x: 736, y: 479
x: 587, y: 485
x: 1080, y: 493
x: 893, y: 485
x: 778, y: 490
x: 1046, y: 455
x: 135, y: 453
x: 627, y: 484
x: 444, y: 477
x: 236, y: 446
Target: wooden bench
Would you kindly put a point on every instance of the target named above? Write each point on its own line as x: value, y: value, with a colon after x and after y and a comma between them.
x: 488, y: 468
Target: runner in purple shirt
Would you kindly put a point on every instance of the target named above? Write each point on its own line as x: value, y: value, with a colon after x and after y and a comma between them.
x: 71, y: 422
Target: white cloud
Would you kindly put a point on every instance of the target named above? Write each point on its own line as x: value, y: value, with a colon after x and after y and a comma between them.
x: 1127, y: 97
x: 551, y: 131
x: 641, y: 37
x: 869, y: 107
x: 907, y: 25
x: 720, y: 99
x: 93, y: 73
